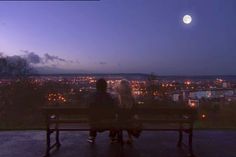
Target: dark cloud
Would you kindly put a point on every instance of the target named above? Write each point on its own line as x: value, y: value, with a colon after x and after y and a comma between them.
x: 31, y: 62
x: 34, y: 58
x: 53, y: 58
x: 71, y: 61
x: 31, y: 57
x: 14, y: 66
x: 102, y: 63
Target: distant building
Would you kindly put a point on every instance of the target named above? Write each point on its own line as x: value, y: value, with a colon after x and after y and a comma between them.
x: 208, y: 94
x: 225, y: 85
x: 175, y: 97
x: 200, y: 94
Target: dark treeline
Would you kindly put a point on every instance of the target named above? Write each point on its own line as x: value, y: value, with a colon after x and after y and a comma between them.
x: 22, y: 97
x: 21, y: 101
x: 14, y: 66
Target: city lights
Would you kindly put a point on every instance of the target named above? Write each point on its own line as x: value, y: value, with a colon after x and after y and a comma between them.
x: 56, y: 97
x: 203, y: 116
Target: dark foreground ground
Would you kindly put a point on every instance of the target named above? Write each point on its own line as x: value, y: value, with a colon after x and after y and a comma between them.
x: 150, y: 144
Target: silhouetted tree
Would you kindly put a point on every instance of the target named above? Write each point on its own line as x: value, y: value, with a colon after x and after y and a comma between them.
x: 14, y: 66
x: 151, y: 87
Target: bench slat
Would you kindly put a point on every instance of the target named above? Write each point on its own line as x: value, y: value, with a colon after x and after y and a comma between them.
x: 154, y: 116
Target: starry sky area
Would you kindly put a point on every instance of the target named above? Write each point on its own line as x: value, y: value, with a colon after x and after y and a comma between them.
x: 124, y: 36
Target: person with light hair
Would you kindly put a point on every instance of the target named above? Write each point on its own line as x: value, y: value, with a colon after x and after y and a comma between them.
x: 126, y: 106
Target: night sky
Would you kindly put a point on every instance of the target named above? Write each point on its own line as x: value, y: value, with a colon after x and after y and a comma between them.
x: 124, y: 36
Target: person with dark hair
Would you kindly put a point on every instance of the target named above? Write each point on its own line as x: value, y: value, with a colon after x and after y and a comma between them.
x: 102, y: 111
x: 101, y: 85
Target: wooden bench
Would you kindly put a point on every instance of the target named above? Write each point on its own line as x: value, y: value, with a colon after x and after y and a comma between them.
x: 75, y: 118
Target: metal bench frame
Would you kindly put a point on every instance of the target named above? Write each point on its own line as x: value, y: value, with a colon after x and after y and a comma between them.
x: 53, y: 113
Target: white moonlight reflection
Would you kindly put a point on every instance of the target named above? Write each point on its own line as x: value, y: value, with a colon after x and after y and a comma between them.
x: 187, y: 19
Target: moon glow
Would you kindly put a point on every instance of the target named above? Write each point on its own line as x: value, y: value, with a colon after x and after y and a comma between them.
x: 187, y: 19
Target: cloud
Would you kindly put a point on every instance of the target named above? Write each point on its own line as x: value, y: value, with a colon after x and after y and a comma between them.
x: 46, y: 59
x: 39, y: 63
x: 53, y: 58
x: 31, y: 57
x: 14, y: 66
x: 102, y: 63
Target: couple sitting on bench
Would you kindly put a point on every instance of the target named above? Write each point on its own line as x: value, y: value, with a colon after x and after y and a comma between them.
x: 115, y: 115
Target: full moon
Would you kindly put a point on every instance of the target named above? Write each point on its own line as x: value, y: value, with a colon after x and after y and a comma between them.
x: 187, y: 19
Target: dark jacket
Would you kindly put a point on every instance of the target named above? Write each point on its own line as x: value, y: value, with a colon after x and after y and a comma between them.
x: 102, y: 108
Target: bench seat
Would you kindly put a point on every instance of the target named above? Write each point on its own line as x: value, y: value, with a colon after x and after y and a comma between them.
x: 74, y: 118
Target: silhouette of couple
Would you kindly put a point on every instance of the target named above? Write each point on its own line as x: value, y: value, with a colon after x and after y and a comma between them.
x: 113, y: 114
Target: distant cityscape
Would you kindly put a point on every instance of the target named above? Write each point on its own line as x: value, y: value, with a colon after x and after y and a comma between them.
x: 189, y: 90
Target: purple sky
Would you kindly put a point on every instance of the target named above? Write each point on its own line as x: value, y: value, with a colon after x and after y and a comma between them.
x: 124, y: 35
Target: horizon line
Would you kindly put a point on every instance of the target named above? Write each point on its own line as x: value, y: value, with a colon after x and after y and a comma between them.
x: 130, y: 73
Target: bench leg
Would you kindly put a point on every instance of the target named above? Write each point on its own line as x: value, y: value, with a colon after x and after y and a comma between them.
x: 57, y: 139
x: 190, y: 142
x: 48, y: 143
x: 180, y: 137
x: 120, y: 136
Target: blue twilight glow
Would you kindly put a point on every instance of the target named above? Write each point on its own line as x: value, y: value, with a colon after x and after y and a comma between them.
x: 125, y: 36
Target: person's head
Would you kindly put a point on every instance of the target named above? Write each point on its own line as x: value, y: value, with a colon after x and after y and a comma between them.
x: 124, y: 87
x: 125, y: 94
x: 101, y: 85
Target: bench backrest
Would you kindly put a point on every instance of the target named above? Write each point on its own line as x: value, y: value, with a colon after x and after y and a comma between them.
x: 143, y: 113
